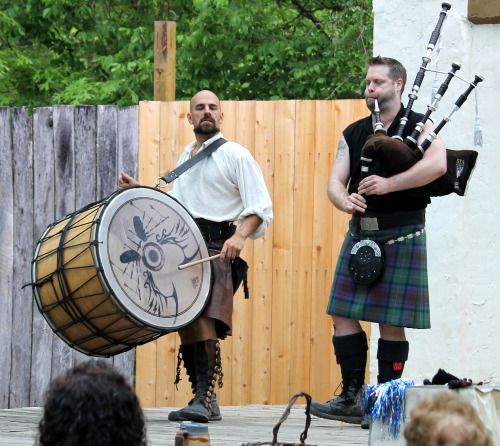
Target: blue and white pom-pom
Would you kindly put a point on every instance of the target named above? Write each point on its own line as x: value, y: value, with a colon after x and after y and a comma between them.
x: 386, y: 402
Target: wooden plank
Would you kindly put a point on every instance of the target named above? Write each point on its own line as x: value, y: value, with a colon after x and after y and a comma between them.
x: 6, y: 254
x: 302, y: 247
x: 228, y: 129
x: 186, y: 134
x: 125, y: 364
x: 149, y: 140
x: 164, y: 90
x: 167, y: 394
x: 85, y: 155
x: 283, y: 208
x: 164, y: 61
x: 128, y: 141
x: 346, y: 112
x: 85, y: 170
x: 22, y: 307
x: 107, y: 134
x: 242, y: 312
x: 344, y: 115
x: 261, y: 278
x: 359, y: 108
x: 64, y: 156
x: 321, y: 324
x: 43, y: 133
x: 240, y: 424
x: 172, y: 119
x: 106, y: 158
x: 127, y: 159
x: 43, y: 145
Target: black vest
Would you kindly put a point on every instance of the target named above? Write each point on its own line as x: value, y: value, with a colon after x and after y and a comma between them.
x: 356, y: 135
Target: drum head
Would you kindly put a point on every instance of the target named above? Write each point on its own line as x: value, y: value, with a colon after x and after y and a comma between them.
x: 144, y: 235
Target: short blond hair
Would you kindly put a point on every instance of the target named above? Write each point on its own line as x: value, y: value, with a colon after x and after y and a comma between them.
x: 446, y: 419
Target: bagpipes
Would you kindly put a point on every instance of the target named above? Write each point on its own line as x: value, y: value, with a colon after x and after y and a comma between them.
x: 396, y: 156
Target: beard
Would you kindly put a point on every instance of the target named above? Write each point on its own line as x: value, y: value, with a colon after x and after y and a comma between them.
x: 370, y: 104
x: 384, y: 102
x: 206, y: 128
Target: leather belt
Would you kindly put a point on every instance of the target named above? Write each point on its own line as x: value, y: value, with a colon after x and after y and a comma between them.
x: 379, y: 222
x: 213, y: 231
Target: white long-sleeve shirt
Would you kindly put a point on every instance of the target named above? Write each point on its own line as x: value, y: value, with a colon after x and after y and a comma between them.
x: 228, y: 185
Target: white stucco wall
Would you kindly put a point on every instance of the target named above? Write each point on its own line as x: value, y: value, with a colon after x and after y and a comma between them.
x: 463, y: 232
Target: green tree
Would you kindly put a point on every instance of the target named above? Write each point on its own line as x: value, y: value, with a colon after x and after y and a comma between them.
x: 101, y: 52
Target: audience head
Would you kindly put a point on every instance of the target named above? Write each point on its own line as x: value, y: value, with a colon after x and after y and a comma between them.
x: 91, y: 405
x: 446, y: 419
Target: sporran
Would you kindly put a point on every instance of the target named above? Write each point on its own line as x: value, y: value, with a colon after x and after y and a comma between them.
x: 366, y: 264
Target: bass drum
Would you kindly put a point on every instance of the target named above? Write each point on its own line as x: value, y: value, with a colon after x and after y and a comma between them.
x: 106, y: 278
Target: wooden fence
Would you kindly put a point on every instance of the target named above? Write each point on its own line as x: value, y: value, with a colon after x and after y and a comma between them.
x: 281, y: 339
x: 65, y: 157
x: 53, y: 162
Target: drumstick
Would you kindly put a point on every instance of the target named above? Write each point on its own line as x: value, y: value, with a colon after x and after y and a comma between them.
x: 197, y: 262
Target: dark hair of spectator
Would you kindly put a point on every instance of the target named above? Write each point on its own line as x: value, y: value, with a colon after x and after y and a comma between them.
x: 91, y: 405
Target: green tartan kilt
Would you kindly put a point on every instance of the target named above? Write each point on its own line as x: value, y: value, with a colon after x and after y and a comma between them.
x: 400, y: 297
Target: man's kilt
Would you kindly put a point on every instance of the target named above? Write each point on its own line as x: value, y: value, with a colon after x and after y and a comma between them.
x: 400, y: 297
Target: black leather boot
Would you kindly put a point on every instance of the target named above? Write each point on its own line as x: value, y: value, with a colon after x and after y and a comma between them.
x: 186, y: 352
x: 351, y: 355
x: 344, y: 407
x: 208, y: 368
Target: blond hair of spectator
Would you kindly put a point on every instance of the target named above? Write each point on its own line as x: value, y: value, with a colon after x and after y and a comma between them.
x: 446, y: 419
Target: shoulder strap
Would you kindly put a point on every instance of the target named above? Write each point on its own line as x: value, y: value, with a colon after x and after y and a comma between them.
x: 174, y: 174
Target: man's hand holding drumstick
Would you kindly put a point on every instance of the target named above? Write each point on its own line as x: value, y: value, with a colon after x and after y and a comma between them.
x: 125, y: 181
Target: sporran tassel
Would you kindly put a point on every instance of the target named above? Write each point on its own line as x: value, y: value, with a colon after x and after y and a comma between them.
x: 386, y: 402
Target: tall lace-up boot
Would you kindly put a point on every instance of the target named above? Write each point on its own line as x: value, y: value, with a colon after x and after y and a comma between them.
x: 351, y: 356
x: 186, y: 353
x: 207, y: 362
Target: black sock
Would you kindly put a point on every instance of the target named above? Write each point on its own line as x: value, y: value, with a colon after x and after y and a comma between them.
x: 351, y: 353
x: 391, y: 356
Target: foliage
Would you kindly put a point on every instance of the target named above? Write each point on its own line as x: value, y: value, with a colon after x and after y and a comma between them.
x: 101, y: 52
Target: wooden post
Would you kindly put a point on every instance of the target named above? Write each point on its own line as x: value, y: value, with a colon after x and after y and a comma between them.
x: 164, y: 76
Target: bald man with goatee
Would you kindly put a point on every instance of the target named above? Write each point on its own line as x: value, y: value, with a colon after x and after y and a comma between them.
x: 223, y: 188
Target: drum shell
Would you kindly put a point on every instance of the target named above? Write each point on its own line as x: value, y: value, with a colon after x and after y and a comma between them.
x: 92, y: 307
x: 77, y: 292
